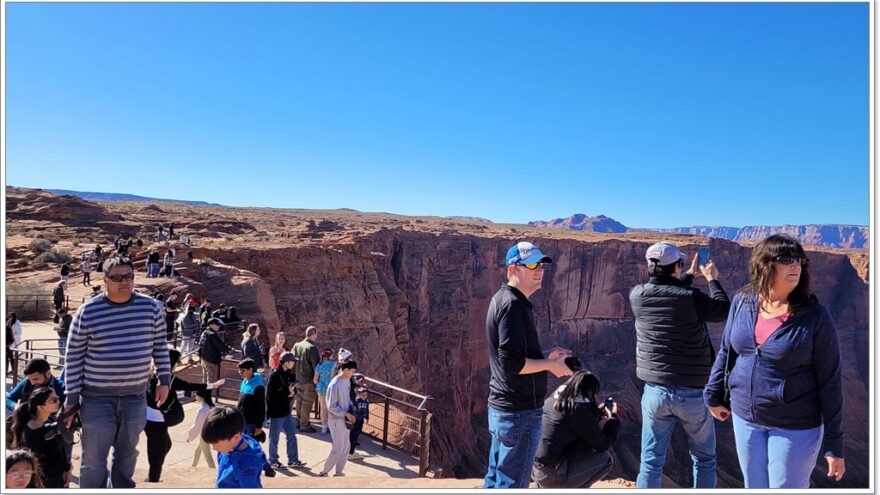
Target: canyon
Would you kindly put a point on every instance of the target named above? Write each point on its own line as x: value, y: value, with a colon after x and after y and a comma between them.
x: 408, y: 296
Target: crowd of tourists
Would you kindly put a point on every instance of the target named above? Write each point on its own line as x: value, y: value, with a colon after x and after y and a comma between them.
x: 776, y: 376
x: 131, y: 343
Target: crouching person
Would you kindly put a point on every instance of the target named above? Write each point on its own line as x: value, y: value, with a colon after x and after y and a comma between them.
x: 576, y: 436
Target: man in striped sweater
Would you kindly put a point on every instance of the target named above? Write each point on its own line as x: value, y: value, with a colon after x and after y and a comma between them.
x: 113, y: 340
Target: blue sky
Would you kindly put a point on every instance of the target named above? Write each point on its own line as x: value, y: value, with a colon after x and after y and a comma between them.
x: 657, y: 115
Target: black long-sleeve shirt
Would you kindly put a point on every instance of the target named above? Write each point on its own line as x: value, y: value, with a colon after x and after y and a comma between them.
x: 253, y: 406
x: 512, y: 336
x: 278, y: 393
x: 562, y: 431
x: 50, y: 453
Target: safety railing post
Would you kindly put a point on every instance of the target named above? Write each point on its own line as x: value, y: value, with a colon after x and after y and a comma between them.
x: 385, y: 424
x: 424, y: 442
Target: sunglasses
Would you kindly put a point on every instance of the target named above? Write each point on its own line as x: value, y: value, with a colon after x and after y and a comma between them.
x: 121, y: 278
x: 534, y: 266
x: 789, y: 260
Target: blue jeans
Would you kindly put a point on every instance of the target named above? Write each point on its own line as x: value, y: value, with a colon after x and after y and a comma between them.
x: 662, y: 408
x: 776, y: 457
x: 515, y: 437
x: 275, y: 427
x: 111, y: 421
x: 152, y: 270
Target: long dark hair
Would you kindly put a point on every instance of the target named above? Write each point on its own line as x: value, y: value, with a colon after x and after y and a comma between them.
x: 762, y: 270
x: 581, y: 384
x: 27, y: 411
x: 206, y: 396
x: 13, y: 457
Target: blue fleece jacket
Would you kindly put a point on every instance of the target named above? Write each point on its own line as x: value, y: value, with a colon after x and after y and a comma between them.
x: 792, y: 381
x: 242, y: 466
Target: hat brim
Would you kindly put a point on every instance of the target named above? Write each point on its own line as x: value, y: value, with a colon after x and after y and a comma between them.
x: 536, y: 258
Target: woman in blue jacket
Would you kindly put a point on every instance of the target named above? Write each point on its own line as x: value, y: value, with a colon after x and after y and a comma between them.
x: 784, y: 381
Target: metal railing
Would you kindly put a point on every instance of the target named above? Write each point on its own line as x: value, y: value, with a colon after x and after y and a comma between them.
x: 33, y: 306
x: 399, y: 418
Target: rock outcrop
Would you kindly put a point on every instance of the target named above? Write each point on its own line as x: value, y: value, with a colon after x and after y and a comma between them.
x: 831, y: 235
x: 579, y: 221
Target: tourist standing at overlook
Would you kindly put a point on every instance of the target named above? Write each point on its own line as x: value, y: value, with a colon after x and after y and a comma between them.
x: 211, y: 351
x: 153, y: 264
x: 171, y: 313
x: 58, y: 295
x: 308, y: 357
x: 113, y: 340
x: 65, y: 272
x: 339, y: 404
x: 86, y: 268
x: 674, y: 357
x: 278, y: 392
x: 323, y: 375
x: 276, y: 350
x: 518, y: 378
x: 781, y: 351
x: 14, y: 324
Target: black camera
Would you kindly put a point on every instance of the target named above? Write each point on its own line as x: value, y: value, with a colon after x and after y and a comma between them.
x: 573, y: 363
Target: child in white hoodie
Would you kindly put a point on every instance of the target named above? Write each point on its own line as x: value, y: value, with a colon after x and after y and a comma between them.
x: 195, y: 431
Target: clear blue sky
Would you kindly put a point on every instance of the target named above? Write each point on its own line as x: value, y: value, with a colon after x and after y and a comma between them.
x: 657, y: 115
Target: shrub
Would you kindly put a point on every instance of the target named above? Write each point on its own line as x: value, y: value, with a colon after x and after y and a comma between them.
x: 50, y: 237
x: 53, y: 256
x: 40, y: 245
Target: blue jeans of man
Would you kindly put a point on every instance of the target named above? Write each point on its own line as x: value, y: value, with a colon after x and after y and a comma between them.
x: 662, y: 408
x: 776, y: 457
x: 152, y: 270
x: 111, y: 421
x: 276, y: 426
x: 515, y: 437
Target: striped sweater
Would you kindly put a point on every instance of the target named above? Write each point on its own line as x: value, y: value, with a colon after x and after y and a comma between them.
x: 111, y: 346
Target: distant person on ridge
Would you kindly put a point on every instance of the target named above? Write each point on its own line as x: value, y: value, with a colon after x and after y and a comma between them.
x: 86, y: 267
x: 674, y: 356
x: 65, y: 272
x: 153, y: 264
x: 58, y: 295
x: 308, y: 356
x: 518, y: 379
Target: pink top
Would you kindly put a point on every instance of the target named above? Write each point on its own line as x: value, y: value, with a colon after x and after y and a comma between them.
x: 766, y: 326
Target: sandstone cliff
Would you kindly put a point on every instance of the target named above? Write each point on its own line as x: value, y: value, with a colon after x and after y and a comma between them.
x: 409, y: 295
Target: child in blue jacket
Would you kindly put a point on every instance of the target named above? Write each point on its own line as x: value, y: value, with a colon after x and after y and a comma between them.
x: 240, y: 460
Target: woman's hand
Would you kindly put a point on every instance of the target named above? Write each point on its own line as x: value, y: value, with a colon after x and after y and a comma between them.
x: 694, y: 270
x: 836, y: 467
x: 218, y: 383
x: 720, y: 413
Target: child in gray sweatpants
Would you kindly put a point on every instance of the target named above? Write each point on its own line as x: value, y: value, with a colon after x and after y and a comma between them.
x: 339, y: 407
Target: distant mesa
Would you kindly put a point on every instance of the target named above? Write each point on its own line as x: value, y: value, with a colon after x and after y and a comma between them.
x: 103, y: 196
x: 579, y: 221
x: 827, y: 235
x: 469, y: 219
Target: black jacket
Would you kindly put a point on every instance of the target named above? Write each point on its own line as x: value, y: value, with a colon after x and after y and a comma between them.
x: 673, y: 346
x: 561, y: 432
x: 512, y: 336
x: 253, y: 406
x: 278, y: 394
x: 176, y: 385
x: 213, y: 347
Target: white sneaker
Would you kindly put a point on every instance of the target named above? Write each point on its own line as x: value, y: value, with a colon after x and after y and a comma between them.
x: 324, y: 430
x: 355, y: 456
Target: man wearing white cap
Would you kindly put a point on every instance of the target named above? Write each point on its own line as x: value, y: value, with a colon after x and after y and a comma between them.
x: 518, y: 378
x: 674, y: 356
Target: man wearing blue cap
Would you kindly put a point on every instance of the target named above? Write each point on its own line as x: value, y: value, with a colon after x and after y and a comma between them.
x: 674, y: 357
x: 518, y: 381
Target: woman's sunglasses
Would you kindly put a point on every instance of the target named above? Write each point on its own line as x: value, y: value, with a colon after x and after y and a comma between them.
x: 789, y: 260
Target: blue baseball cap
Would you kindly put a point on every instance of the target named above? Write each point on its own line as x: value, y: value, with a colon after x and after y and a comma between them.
x: 525, y: 253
